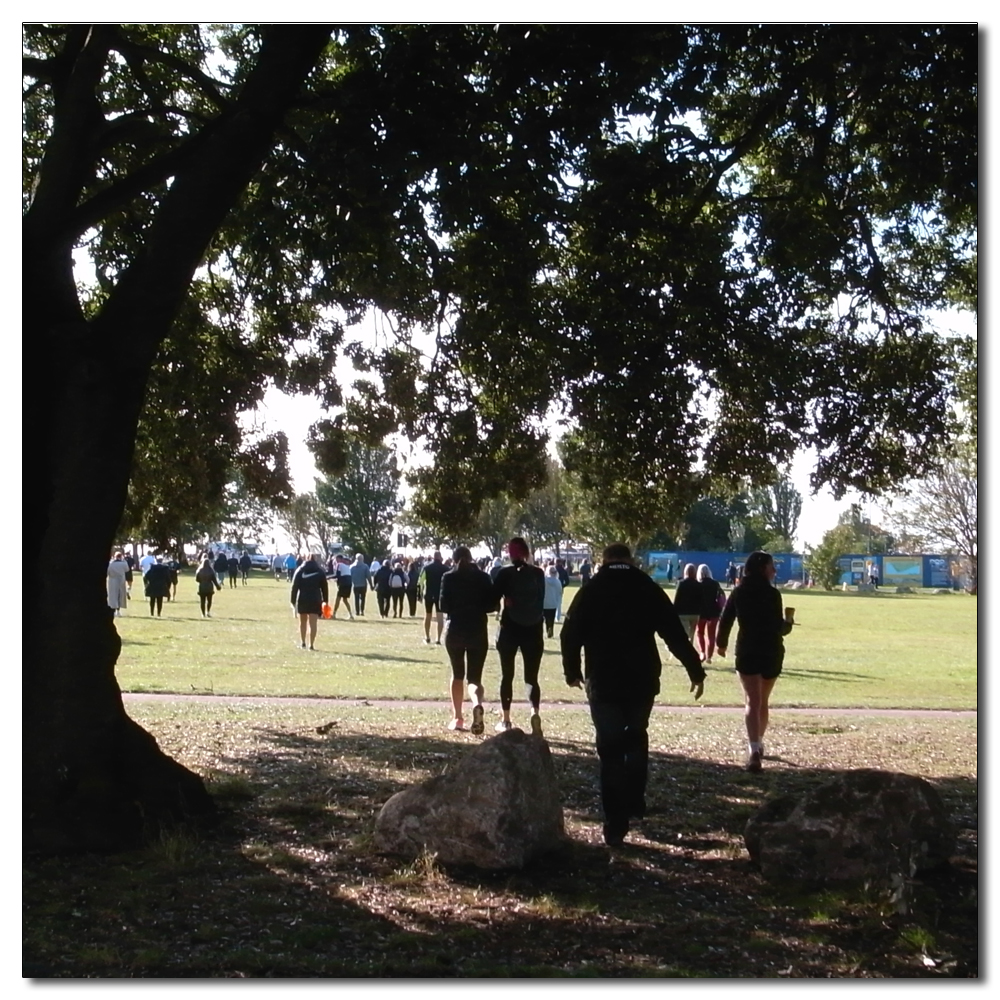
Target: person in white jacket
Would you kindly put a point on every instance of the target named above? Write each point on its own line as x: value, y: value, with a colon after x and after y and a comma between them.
x: 553, y: 599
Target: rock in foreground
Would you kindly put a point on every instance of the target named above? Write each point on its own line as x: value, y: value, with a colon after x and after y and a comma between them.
x: 497, y: 808
x: 864, y: 824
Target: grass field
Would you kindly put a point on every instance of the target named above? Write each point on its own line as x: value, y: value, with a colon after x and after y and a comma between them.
x: 882, y: 650
x: 287, y: 884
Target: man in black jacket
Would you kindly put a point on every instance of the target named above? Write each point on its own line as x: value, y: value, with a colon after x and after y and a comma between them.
x: 615, y: 619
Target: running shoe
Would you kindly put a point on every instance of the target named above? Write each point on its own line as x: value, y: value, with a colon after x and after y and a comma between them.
x: 477, y: 720
x: 753, y: 761
x: 536, y: 725
x: 502, y: 726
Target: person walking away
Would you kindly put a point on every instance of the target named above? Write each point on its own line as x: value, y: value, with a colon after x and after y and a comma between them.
x: 614, y: 622
x: 380, y: 581
x: 430, y: 581
x: 221, y: 567
x: 397, y: 588
x: 467, y: 599
x: 291, y: 564
x: 277, y: 566
x: 553, y: 598
x: 119, y: 578
x: 360, y: 579
x: 519, y: 589
x: 234, y: 571
x: 413, y: 585
x: 755, y: 604
x: 208, y: 584
x: 342, y: 578
x: 173, y: 566
x: 731, y: 573
x: 712, y: 603
x: 156, y: 585
x: 687, y: 600
x: 585, y: 572
x: 309, y: 594
x: 245, y: 564
x: 873, y: 575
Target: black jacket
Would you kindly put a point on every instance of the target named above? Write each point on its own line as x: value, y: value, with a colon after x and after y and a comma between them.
x: 309, y: 584
x: 710, y: 590
x: 467, y: 599
x: 157, y: 580
x: 687, y: 597
x: 615, y: 619
x: 756, y: 605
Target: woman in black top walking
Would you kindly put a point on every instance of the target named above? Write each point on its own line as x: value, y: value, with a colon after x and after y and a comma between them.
x: 309, y: 593
x: 760, y: 649
x: 467, y: 600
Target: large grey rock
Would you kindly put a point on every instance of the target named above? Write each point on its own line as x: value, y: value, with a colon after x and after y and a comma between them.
x: 498, y: 807
x: 863, y: 825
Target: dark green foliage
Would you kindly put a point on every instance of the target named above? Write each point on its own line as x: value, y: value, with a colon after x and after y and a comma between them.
x: 362, y: 501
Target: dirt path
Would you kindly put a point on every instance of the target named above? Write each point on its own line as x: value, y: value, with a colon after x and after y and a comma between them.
x: 551, y: 705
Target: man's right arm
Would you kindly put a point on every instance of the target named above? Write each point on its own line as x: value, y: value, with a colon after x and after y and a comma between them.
x: 571, y: 641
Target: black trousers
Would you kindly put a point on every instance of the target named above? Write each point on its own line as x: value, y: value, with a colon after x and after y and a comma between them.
x: 622, y: 734
x: 360, y: 593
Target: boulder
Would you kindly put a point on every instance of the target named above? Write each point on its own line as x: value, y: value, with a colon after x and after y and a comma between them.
x: 864, y: 825
x: 497, y: 808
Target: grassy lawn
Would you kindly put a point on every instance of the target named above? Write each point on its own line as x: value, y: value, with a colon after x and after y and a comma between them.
x: 851, y: 650
x: 287, y: 883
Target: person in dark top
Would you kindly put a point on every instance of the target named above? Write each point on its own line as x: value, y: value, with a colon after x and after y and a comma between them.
x: 397, y: 588
x: 760, y: 647
x: 688, y: 600
x: 467, y: 600
x: 221, y: 567
x: 382, y: 592
x: 614, y: 621
x: 585, y: 572
x: 309, y: 593
x: 208, y: 583
x: 156, y: 583
x: 519, y: 590
x: 712, y: 601
x: 430, y: 580
x: 234, y: 570
x: 245, y: 564
x: 413, y: 585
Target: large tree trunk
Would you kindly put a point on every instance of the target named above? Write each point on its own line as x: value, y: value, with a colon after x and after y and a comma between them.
x: 92, y: 778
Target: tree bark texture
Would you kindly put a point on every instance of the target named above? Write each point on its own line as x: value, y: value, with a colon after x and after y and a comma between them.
x: 93, y: 778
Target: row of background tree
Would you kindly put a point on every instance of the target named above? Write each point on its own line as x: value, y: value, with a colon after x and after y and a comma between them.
x: 362, y: 508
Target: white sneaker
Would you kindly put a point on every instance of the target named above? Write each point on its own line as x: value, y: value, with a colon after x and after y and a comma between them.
x: 502, y: 726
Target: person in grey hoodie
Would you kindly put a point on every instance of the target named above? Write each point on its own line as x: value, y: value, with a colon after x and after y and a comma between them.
x: 361, y: 579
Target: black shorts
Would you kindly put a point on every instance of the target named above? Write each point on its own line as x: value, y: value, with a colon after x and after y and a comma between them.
x: 309, y: 607
x: 431, y: 604
x: 768, y: 666
x: 344, y: 587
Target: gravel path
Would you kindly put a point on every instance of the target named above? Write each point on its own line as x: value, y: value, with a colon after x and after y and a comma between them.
x: 550, y: 705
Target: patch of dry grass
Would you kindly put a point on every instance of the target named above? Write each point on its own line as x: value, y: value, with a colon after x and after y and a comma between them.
x: 288, y: 883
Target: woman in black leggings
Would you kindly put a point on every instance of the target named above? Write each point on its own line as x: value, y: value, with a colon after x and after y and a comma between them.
x: 467, y: 600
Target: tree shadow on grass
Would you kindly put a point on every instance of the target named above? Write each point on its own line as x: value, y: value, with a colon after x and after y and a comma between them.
x: 289, y: 884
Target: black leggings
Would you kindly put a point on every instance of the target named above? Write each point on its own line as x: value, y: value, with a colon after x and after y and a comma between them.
x: 467, y: 655
x: 397, y: 603
x: 157, y: 602
x: 206, y: 602
x: 527, y: 638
